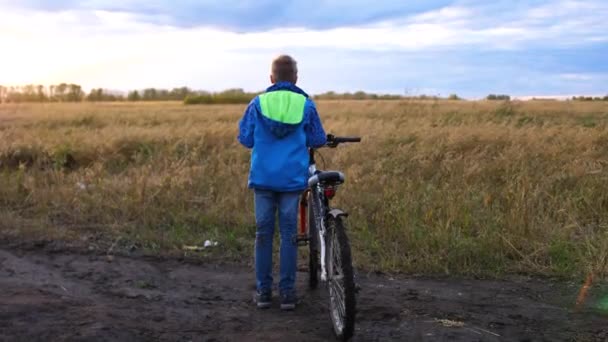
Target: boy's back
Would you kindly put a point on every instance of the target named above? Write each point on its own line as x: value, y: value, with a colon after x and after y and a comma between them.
x: 279, y: 125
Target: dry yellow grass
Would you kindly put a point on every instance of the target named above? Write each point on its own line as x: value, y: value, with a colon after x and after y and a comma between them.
x: 435, y: 186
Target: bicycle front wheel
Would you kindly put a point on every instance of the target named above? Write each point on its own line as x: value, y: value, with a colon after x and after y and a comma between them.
x: 340, y: 280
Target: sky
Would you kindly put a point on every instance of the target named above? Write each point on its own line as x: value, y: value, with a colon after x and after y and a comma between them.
x: 436, y: 47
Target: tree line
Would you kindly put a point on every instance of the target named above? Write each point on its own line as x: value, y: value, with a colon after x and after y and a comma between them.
x: 361, y: 95
x: 589, y: 98
x: 65, y: 92
x: 499, y: 97
x: 73, y: 93
x: 38, y: 93
x: 69, y: 92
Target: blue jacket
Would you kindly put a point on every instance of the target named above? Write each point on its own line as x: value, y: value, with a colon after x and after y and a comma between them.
x: 279, y: 125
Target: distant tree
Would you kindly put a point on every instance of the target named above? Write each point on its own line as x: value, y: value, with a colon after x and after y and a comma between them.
x: 360, y: 95
x: 12, y: 94
x: 41, y: 93
x: 180, y: 93
x: 75, y: 93
x: 234, y: 96
x: 60, y: 91
x: 330, y: 95
x: 390, y: 97
x: 149, y: 94
x: 164, y: 94
x: 590, y: 98
x: 28, y: 93
x: 133, y: 96
x: 453, y: 97
x: 493, y: 97
x: 95, y: 95
x: 99, y: 94
x: 175, y: 94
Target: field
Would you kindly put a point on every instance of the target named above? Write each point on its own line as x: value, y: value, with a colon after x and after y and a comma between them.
x: 436, y: 187
x: 98, y: 200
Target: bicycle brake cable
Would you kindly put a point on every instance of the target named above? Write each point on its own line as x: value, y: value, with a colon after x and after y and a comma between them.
x: 322, y: 159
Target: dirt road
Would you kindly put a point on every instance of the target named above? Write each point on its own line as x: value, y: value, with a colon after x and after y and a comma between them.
x: 55, y: 295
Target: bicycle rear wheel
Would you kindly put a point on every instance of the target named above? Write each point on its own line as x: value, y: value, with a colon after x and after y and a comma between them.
x: 313, y: 243
x: 340, y: 282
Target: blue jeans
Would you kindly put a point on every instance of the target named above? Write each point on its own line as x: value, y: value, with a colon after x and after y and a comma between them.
x: 266, y: 205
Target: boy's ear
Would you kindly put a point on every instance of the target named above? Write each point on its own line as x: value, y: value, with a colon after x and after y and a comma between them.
x: 272, y: 80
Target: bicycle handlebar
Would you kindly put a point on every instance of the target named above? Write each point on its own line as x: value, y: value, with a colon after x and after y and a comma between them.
x: 334, y: 141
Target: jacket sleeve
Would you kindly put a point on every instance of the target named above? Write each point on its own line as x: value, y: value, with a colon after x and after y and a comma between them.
x: 247, y: 125
x: 315, y: 134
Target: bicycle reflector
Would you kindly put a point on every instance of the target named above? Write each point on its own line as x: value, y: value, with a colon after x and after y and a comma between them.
x: 329, y: 192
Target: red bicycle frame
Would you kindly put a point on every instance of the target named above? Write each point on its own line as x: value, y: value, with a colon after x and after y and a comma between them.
x: 303, y: 233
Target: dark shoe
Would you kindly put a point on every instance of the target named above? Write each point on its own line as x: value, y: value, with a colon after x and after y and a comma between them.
x: 263, y: 300
x: 288, y: 302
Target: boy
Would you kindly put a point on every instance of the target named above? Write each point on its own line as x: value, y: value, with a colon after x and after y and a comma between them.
x: 279, y: 126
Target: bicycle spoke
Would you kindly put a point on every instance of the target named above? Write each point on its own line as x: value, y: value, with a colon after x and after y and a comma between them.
x: 336, y: 286
x: 339, y: 291
x: 336, y: 257
x: 337, y: 299
x: 337, y: 260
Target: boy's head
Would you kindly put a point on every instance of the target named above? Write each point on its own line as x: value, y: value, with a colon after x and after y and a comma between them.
x: 284, y: 69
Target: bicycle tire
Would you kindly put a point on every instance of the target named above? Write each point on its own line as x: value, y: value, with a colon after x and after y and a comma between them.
x: 343, y: 318
x: 313, y: 244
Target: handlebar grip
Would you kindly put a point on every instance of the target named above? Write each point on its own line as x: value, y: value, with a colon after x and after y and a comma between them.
x: 334, y: 141
x: 347, y: 139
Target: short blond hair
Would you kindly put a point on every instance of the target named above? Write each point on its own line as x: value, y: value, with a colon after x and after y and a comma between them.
x: 285, y: 69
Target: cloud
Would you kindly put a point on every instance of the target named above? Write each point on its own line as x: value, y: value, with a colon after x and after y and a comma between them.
x: 245, y: 15
x: 465, y: 47
x: 578, y: 77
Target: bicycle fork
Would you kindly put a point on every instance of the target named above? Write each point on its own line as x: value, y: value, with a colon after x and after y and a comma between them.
x: 322, y: 234
x: 302, y: 238
x: 320, y: 222
x: 322, y: 242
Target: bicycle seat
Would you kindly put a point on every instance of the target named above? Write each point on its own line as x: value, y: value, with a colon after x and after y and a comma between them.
x: 326, y: 177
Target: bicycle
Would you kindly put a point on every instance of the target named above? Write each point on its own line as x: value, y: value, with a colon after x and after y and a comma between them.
x: 322, y: 228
